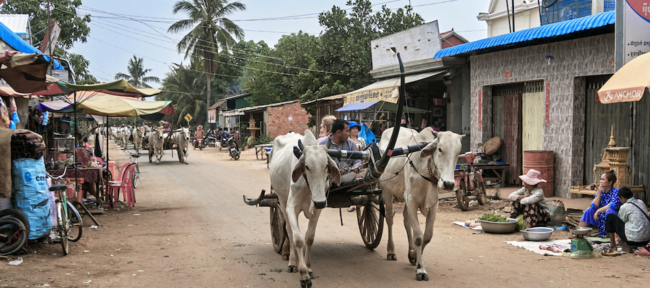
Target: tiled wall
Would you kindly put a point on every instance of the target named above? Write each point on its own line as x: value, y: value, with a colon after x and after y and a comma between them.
x: 571, y: 60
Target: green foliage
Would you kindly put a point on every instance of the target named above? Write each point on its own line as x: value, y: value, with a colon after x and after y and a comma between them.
x: 259, y: 140
x: 493, y: 218
x: 74, y: 27
x: 80, y: 69
x: 210, y: 29
x: 136, y: 75
x: 343, y: 48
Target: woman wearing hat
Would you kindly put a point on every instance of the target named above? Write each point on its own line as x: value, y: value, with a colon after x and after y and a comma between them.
x: 354, y: 135
x: 529, y: 200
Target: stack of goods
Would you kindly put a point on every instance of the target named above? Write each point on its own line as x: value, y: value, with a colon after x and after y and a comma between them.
x: 31, y: 195
x: 26, y: 144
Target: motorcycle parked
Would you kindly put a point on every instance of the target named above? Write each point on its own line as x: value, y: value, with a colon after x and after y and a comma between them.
x: 223, y: 141
x: 234, y: 148
x: 210, y: 139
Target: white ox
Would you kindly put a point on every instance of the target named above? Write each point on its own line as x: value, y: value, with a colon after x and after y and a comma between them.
x: 126, y: 134
x: 436, y: 161
x: 156, y: 142
x: 138, y: 134
x: 301, y: 186
x: 181, y: 138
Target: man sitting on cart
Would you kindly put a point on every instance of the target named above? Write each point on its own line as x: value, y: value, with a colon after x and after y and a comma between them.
x: 340, y: 140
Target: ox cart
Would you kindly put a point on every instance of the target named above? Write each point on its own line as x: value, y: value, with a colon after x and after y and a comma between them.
x: 170, y: 144
x: 364, y: 193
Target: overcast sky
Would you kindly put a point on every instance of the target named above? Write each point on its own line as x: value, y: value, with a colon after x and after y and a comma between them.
x: 113, y: 40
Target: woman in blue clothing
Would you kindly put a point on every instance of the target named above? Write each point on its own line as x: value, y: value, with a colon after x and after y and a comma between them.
x: 605, y: 203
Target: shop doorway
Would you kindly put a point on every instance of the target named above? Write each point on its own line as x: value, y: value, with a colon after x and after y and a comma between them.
x: 599, y: 119
x: 507, y: 119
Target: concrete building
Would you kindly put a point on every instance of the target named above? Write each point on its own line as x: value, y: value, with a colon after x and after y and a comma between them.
x: 526, y: 16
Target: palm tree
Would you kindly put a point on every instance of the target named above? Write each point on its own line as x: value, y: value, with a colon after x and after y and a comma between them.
x: 210, y: 30
x: 136, y: 75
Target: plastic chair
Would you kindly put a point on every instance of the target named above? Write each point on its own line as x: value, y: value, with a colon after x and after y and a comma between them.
x: 126, y: 185
x: 114, y: 186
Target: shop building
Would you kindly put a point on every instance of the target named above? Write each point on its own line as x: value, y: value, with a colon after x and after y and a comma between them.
x: 536, y: 89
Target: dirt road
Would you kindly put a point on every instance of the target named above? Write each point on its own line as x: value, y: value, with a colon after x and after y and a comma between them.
x: 191, y: 228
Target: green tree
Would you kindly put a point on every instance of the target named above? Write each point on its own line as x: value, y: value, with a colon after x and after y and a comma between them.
x: 137, y: 74
x: 210, y: 29
x: 80, y: 69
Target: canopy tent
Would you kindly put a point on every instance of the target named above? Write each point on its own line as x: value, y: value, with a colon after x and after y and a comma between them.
x: 378, y: 106
x: 59, y: 106
x: 8, y: 91
x: 85, y: 95
x: 629, y: 83
x: 115, y: 106
x: 118, y: 87
x: 25, y: 73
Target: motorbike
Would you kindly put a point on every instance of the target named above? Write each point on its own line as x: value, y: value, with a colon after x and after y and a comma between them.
x: 199, y: 143
x: 223, y: 141
x: 233, y: 148
x: 470, y: 182
x: 210, y: 139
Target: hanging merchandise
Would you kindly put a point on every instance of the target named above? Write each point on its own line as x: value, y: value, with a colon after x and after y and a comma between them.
x: 31, y: 195
x: 14, y: 114
x: 367, y: 134
x: 4, y: 114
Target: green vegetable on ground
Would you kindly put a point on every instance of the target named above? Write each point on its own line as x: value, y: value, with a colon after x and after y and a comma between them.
x: 493, y: 218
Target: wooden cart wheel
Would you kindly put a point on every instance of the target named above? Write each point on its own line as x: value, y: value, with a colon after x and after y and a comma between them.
x: 371, y: 222
x: 461, y: 196
x: 481, y: 196
x: 278, y: 231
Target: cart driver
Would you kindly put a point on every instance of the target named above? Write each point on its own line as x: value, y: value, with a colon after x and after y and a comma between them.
x: 339, y: 139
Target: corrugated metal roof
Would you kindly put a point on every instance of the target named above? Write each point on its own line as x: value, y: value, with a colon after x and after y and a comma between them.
x: 16, y: 22
x: 546, y: 31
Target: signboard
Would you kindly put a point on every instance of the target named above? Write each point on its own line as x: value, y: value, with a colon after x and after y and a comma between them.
x: 381, y: 94
x: 212, y: 116
x: 632, y: 30
x: 51, y: 37
x: 414, y: 44
x: 188, y: 117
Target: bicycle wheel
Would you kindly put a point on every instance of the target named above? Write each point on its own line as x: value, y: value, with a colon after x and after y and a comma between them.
x: 18, y: 215
x: 136, y: 176
x: 62, y: 227
x: 13, y: 235
x: 76, y: 225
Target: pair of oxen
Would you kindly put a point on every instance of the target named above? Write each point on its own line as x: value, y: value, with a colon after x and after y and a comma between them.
x: 302, y: 184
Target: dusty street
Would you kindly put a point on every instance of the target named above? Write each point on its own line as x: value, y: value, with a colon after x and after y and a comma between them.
x: 190, y: 227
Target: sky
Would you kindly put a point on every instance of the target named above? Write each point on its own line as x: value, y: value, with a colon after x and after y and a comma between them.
x: 114, y: 40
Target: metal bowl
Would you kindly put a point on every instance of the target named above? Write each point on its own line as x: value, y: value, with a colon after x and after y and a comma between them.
x: 581, y: 231
x: 537, y: 234
x: 499, y: 227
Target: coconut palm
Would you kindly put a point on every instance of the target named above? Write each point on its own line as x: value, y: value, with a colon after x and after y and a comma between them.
x: 210, y: 30
x: 137, y: 74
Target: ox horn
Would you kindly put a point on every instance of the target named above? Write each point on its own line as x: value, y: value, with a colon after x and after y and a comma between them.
x: 435, y: 134
x: 300, y: 145
x: 253, y: 202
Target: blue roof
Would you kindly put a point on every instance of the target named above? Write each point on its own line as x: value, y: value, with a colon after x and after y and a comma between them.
x: 20, y: 45
x: 356, y: 106
x: 546, y: 31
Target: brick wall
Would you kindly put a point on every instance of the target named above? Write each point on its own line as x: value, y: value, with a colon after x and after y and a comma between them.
x: 564, y: 134
x: 279, y: 123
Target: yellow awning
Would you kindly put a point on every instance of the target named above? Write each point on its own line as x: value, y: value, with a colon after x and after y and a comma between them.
x: 116, y: 106
x: 629, y: 83
x: 384, y: 90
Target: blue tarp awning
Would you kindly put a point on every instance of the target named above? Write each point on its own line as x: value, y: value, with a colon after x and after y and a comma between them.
x: 546, y: 31
x: 356, y: 106
x: 20, y: 45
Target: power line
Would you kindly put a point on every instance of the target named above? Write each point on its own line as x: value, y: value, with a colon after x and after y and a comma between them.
x: 232, y: 56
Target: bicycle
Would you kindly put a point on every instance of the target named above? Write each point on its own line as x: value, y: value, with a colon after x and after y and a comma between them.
x: 68, y: 218
x: 136, y: 172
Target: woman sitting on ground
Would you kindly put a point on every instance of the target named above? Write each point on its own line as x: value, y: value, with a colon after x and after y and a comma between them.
x: 605, y: 203
x: 631, y: 225
x: 529, y: 201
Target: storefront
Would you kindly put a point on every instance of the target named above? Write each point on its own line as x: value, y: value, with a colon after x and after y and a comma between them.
x: 536, y: 89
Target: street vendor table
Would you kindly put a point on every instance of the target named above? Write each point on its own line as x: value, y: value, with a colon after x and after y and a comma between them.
x: 89, y: 175
x: 261, y: 149
x: 498, y: 171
